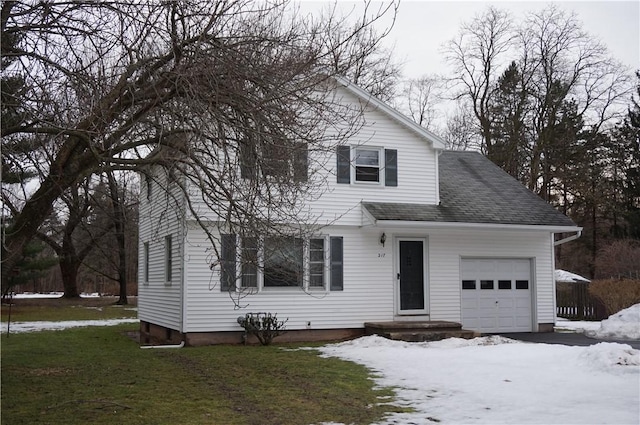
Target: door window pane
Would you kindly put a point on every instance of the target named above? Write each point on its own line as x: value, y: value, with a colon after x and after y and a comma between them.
x: 522, y: 284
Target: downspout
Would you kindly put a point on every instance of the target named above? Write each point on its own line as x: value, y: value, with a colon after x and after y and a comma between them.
x: 568, y: 239
x: 163, y: 346
x: 553, y: 266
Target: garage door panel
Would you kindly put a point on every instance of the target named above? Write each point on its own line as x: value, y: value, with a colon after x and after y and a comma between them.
x: 497, y: 295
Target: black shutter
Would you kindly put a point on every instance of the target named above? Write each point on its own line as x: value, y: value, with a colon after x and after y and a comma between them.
x: 228, y: 262
x: 390, y: 167
x: 248, y: 159
x: 336, y: 260
x: 300, y: 162
x: 343, y: 171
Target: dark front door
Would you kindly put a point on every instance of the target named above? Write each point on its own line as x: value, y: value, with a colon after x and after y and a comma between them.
x: 411, y: 277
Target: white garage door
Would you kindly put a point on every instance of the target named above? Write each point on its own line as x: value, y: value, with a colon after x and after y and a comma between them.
x: 496, y: 295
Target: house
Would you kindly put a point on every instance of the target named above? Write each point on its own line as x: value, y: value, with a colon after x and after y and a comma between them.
x: 413, y: 233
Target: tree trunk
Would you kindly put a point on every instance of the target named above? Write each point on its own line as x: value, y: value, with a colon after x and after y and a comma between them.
x: 119, y: 225
x: 69, y: 270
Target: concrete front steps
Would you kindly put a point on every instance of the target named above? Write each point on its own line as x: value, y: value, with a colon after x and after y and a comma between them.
x: 418, y: 331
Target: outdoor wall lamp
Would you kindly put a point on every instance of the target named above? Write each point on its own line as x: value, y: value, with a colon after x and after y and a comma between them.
x: 383, y: 238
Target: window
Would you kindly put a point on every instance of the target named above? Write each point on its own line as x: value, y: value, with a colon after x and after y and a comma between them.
x: 504, y: 284
x: 146, y: 262
x: 468, y: 284
x: 168, y: 260
x: 280, y: 262
x: 249, y: 263
x: 279, y: 160
x: 367, y: 162
x: 522, y: 284
x: 369, y: 165
x: 227, y: 262
x: 316, y: 263
x: 486, y: 284
x: 283, y: 265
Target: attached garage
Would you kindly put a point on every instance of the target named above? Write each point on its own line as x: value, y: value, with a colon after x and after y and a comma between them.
x: 496, y: 294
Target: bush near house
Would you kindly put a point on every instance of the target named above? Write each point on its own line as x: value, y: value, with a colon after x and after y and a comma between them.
x: 616, y: 294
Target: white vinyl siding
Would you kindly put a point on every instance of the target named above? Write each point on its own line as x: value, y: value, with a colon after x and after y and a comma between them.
x: 369, y: 280
x: 362, y: 299
x: 338, y: 204
x: 160, y: 216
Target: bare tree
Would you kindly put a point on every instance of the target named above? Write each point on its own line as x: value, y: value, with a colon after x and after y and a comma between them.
x: 476, y: 56
x: 461, y: 131
x: 562, y: 63
x: 422, y: 96
x: 76, y: 236
x: 195, y: 88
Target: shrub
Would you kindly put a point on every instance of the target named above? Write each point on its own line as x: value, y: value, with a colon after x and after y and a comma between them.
x: 265, y: 326
x: 616, y: 294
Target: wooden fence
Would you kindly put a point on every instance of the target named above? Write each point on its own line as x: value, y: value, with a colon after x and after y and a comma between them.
x: 574, y: 302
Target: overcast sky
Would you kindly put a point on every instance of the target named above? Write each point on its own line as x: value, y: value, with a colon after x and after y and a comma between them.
x: 423, y: 26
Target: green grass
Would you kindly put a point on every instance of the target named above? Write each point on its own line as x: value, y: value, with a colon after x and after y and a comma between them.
x: 101, y: 376
x: 57, y: 309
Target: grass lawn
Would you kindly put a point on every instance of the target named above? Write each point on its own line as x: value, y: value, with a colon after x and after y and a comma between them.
x: 101, y: 376
x: 57, y: 309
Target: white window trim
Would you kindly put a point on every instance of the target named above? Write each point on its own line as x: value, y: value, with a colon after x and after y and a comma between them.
x: 381, y: 165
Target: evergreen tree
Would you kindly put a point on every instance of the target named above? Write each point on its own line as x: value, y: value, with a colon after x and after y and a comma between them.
x: 508, y: 108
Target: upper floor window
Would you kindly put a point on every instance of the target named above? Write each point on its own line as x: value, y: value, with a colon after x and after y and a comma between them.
x: 280, y: 160
x: 367, y: 165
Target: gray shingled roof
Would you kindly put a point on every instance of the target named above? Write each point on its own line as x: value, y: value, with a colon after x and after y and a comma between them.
x: 475, y: 190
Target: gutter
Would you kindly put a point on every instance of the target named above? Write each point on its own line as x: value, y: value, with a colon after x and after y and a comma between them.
x: 468, y: 225
x: 569, y: 238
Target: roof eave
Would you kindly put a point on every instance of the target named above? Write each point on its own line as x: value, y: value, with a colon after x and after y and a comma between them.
x: 481, y: 226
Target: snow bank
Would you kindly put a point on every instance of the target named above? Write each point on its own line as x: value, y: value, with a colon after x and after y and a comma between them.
x: 625, y: 324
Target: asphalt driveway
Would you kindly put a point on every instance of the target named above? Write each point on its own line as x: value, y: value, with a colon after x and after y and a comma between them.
x: 564, y: 339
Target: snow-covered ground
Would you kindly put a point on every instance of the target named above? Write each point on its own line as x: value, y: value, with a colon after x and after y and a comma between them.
x: 30, y: 295
x: 495, y: 380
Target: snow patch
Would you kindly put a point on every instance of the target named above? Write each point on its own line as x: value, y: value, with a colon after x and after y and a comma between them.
x: 625, y: 324
x: 20, y: 327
